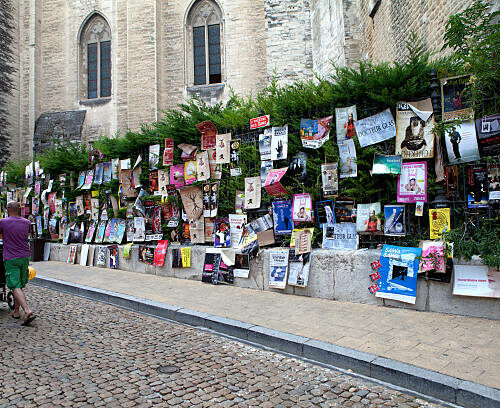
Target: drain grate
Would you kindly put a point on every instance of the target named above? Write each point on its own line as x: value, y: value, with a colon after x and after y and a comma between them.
x: 169, y: 369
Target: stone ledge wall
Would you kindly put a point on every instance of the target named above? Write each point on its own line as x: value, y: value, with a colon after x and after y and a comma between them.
x: 334, y: 275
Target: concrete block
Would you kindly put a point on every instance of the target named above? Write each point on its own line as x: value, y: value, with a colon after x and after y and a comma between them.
x: 286, y: 342
x: 415, y: 378
x: 191, y: 317
x: 338, y: 356
x: 158, y: 309
x: 256, y: 276
x: 321, y: 276
x: 197, y: 260
x: 472, y: 395
x: 227, y: 326
x: 123, y: 300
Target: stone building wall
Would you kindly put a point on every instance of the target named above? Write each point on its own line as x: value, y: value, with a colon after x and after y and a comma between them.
x: 383, y: 36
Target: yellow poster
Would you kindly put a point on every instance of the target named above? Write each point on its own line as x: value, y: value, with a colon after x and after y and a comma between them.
x: 186, y: 257
x: 126, y: 250
x: 439, y: 222
x: 292, y: 240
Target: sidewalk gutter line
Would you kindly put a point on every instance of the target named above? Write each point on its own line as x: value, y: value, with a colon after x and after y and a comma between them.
x: 423, y: 381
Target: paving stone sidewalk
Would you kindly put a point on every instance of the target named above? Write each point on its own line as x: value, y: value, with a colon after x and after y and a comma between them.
x: 462, y: 347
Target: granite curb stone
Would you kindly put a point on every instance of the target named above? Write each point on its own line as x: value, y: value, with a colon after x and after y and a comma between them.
x: 421, y: 380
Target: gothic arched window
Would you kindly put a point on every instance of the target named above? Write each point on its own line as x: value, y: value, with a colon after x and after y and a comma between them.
x: 95, y: 57
x: 204, y: 25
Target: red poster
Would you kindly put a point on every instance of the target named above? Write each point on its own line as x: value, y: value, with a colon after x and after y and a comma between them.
x: 260, y: 122
x: 168, y: 153
x: 160, y: 252
x: 272, y: 184
x: 52, y: 203
x: 208, y: 133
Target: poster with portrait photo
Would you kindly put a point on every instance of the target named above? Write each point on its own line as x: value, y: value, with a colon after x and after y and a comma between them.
x: 368, y: 218
x: 253, y: 188
x: 279, y: 143
x: 223, y: 148
x: 278, y: 268
x: 395, y: 224
x: 89, y: 177
x: 455, y: 98
x: 488, y: 135
x: 139, y: 229
x: 494, y: 180
x: 298, y: 274
x: 202, y: 166
x: 461, y: 143
x: 236, y: 224
x: 414, y: 124
x: 241, y: 266
x: 146, y: 254
x: 265, y: 144
x: 348, y: 159
x: 302, y: 208
x: 325, y: 213
x: 344, y: 123
x: 282, y: 217
x: 412, y: 182
x: 330, y: 179
x: 477, y: 185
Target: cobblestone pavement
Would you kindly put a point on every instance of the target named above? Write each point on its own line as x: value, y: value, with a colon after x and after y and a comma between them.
x: 83, y: 353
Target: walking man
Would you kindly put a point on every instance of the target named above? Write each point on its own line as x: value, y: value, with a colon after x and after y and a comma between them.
x: 16, y: 255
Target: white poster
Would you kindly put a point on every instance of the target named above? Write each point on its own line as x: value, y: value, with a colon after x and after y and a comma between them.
x: 279, y: 143
x: 253, y: 188
x: 222, y: 148
x: 299, y: 269
x: 376, y: 128
x: 461, y: 143
x: 330, y: 179
x: 139, y: 229
x: 278, y: 268
x: 265, y: 144
x: 344, y: 121
x: 154, y: 156
x: 476, y: 281
x: 236, y: 224
x: 340, y: 236
x: 348, y: 165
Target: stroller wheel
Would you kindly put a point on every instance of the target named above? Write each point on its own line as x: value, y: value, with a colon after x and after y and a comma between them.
x: 10, y: 300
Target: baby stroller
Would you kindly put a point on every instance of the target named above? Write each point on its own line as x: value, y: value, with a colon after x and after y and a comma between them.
x: 5, y: 294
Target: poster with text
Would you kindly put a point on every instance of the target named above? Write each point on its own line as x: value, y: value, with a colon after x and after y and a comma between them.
x: 107, y: 173
x: 461, y: 143
x: 139, y: 229
x: 455, y: 98
x: 412, y: 182
x: 222, y: 233
x: 344, y: 123
x: 478, y: 281
x: 386, y: 164
x: 265, y: 144
x: 399, y: 273
x: 101, y: 230
x: 236, y: 224
x: 278, y: 268
x: 252, y: 192
x: 414, y: 124
x: 345, y: 209
x: 168, y: 152
x: 330, y: 179
x: 439, y: 222
x: 282, y: 217
x: 279, y: 143
x: 432, y: 257
x: 375, y: 129
x: 163, y: 181
x: 302, y: 208
x: 300, y: 264
x: 494, y: 181
x: 342, y: 236
x: 395, y: 224
x: 223, y: 148
x: 315, y: 132
x: 146, y: 254
x: 160, y: 252
x: 488, y: 135
x: 88, y: 180
x: 298, y: 166
x: 477, y: 186
x: 127, y: 184
x: 367, y: 218
x: 273, y: 185
x: 348, y: 159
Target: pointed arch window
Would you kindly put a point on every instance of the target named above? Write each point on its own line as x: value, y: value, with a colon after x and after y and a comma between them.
x: 95, y: 57
x: 205, y: 30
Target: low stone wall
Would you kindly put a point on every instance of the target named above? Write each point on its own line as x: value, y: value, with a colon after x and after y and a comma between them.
x: 334, y: 275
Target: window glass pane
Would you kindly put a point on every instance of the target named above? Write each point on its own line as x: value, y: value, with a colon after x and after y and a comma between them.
x: 105, y: 69
x: 92, y: 71
x: 214, y: 57
x: 199, y: 56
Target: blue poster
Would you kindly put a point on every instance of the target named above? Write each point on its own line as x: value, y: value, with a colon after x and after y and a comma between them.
x: 282, y: 217
x: 394, y: 220
x: 398, y: 273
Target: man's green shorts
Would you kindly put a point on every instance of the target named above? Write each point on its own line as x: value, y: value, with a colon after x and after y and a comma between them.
x: 16, y: 272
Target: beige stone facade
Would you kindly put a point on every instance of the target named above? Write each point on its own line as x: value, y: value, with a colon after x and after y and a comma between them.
x: 152, y: 51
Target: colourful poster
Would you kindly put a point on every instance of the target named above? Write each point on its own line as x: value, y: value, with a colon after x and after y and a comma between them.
x: 177, y: 175
x: 282, y: 217
x: 344, y: 120
x: 222, y: 233
x: 278, y: 268
x: 477, y: 185
x: 386, y: 164
x: 398, y: 272
x: 325, y: 213
x: 439, y: 222
x: 412, y: 183
x: 330, y: 179
x: 395, y: 224
x: 455, y: 99
x: 314, y: 133
x: 494, y: 181
x: 272, y: 184
x: 189, y: 172
x: 300, y: 264
x: 160, y: 252
x: 208, y: 132
x: 302, y: 208
x: 368, y: 218
x: 168, y: 152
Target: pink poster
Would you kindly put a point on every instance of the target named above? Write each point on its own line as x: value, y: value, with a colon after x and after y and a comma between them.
x: 412, y: 182
x: 272, y: 184
x: 302, y: 208
x: 432, y: 256
x: 177, y: 175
